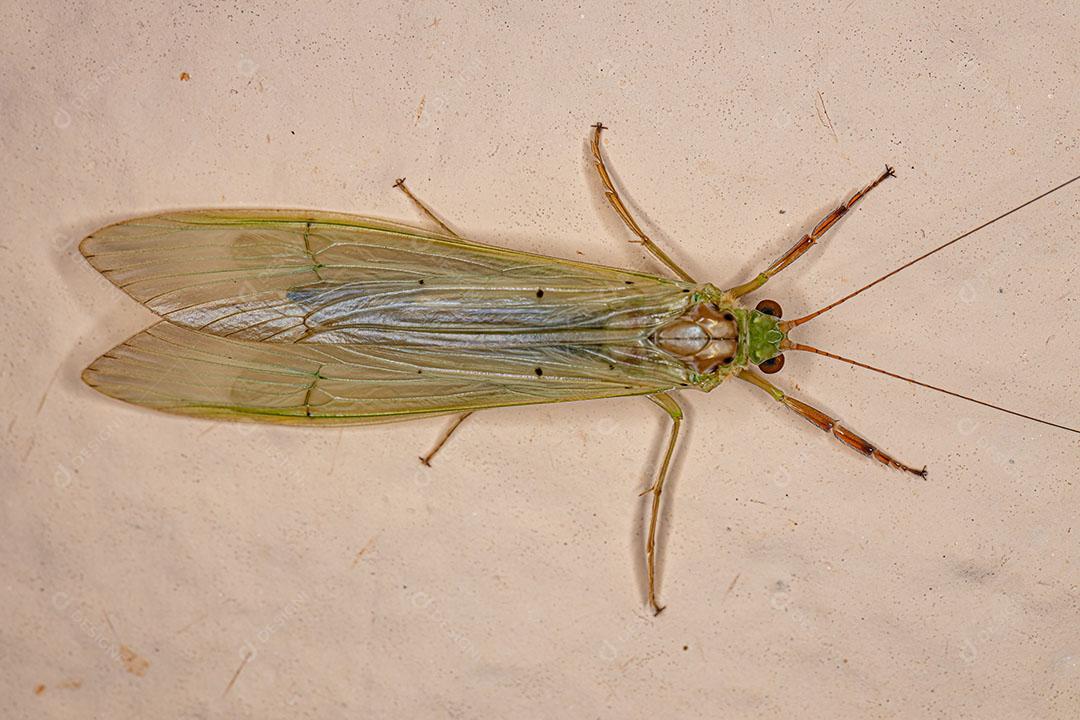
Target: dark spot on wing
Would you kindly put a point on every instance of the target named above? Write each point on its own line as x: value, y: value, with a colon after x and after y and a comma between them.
x: 300, y: 296
x: 539, y: 293
x: 539, y: 372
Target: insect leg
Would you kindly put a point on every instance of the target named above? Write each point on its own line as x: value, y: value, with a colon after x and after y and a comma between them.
x: 426, y: 459
x: 809, y: 239
x: 672, y: 407
x: 616, y: 202
x: 828, y: 424
x: 400, y: 185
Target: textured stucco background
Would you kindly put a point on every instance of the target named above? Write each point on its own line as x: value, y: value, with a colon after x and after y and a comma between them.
x: 162, y: 567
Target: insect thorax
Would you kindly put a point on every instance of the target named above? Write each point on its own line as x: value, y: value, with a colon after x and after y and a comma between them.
x: 705, y: 337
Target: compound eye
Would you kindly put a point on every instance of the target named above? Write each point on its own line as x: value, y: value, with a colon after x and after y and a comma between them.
x: 772, y: 365
x: 770, y: 307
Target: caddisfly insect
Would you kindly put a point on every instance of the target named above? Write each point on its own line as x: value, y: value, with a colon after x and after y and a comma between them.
x: 317, y: 318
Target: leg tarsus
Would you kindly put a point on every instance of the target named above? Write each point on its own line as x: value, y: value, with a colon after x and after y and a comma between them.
x: 616, y: 202
x: 400, y: 185
x: 426, y: 459
x: 669, y: 404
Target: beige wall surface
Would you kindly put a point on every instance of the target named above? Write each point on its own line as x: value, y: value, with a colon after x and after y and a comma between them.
x: 156, y: 566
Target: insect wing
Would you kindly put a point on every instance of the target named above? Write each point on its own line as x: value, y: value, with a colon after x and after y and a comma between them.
x: 178, y: 370
x: 301, y: 276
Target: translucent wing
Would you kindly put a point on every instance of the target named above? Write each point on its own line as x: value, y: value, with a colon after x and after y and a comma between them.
x: 179, y: 370
x: 315, y: 277
x: 310, y: 317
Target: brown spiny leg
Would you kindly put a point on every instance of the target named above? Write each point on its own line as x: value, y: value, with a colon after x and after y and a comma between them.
x: 426, y: 459
x: 809, y: 239
x: 828, y: 424
x: 612, y: 196
x: 400, y: 185
x: 672, y: 407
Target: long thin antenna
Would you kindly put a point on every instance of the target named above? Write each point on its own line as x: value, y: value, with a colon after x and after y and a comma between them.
x: 788, y: 345
x: 785, y: 326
